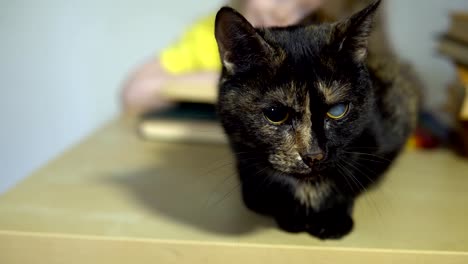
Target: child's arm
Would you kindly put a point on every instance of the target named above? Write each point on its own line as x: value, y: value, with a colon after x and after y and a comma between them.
x: 192, y: 61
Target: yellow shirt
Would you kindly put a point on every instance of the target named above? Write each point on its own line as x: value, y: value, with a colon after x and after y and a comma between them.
x: 197, y: 50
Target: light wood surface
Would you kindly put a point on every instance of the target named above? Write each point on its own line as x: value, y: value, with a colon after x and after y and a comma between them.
x: 187, y: 131
x: 116, y: 198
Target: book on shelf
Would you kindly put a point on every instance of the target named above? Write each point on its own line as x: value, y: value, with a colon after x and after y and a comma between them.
x: 191, y: 119
x: 184, y: 122
x: 453, y: 48
x: 459, y: 27
x: 454, y: 45
x: 454, y: 42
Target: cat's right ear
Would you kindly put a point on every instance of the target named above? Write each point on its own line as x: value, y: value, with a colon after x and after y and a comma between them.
x: 351, y: 35
x: 240, y: 46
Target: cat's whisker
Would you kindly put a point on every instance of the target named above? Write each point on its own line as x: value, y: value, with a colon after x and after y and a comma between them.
x: 236, y: 187
x: 343, y: 174
x: 225, y: 180
x: 224, y: 160
x: 367, y: 154
x: 357, y: 183
x: 354, y: 179
x: 229, y: 162
x: 373, y: 181
x: 366, y: 148
x: 369, y: 200
x: 270, y: 180
x: 260, y: 171
x: 225, y: 196
x: 364, y: 167
x: 215, y: 168
x: 343, y: 171
x: 247, y: 152
x: 370, y: 160
x: 354, y: 164
x: 217, y: 186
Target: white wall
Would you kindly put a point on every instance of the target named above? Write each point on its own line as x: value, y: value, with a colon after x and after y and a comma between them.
x: 62, y: 63
x: 414, y: 26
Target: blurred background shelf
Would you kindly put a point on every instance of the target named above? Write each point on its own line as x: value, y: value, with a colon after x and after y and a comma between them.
x: 117, y: 198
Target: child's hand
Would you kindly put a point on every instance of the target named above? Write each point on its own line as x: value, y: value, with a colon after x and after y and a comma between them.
x: 141, y: 93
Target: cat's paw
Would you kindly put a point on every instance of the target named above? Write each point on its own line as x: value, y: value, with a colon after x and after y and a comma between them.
x: 331, y: 228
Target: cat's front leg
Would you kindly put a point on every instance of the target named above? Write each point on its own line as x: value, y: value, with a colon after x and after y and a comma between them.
x: 331, y: 228
x: 291, y: 223
x: 331, y: 223
x: 275, y: 200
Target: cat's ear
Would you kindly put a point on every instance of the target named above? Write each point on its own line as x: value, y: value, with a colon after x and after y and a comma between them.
x: 352, y: 34
x: 239, y: 44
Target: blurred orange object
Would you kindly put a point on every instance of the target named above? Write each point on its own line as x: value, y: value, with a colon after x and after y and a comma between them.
x: 463, y: 75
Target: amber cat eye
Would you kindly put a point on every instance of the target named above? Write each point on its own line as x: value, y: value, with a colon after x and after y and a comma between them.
x: 276, y: 115
x: 338, y: 111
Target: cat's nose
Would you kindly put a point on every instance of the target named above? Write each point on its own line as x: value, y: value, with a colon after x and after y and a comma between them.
x: 312, y: 158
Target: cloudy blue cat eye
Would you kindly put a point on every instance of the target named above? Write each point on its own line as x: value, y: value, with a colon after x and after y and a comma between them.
x: 338, y: 111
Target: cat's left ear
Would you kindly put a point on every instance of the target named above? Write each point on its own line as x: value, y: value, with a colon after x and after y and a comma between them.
x: 352, y: 34
x: 240, y: 45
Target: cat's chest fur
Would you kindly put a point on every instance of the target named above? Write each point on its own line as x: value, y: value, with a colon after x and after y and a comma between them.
x: 311, y: 194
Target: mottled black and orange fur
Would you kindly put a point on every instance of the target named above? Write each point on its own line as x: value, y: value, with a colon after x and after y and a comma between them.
x: 308, y: 69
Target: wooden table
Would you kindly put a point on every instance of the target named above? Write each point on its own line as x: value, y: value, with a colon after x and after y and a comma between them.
x: 117, y: 199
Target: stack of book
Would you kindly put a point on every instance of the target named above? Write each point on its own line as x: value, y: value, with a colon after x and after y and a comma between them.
x: 454, y: 45
x: 191, y: 119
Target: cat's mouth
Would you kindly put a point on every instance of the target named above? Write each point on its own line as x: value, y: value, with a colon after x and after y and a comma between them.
x: 303, y: 173
x: 296, y: 168
x: 310, y: 174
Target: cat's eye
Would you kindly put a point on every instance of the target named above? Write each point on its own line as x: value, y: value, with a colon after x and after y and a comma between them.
x: 338, y: 111
x: 276, y: 115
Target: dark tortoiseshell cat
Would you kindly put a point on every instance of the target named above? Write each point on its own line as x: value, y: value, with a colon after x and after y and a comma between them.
x: 312, y: 117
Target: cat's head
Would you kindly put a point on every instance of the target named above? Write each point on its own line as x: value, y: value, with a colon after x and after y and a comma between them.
x: 296, y: 96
